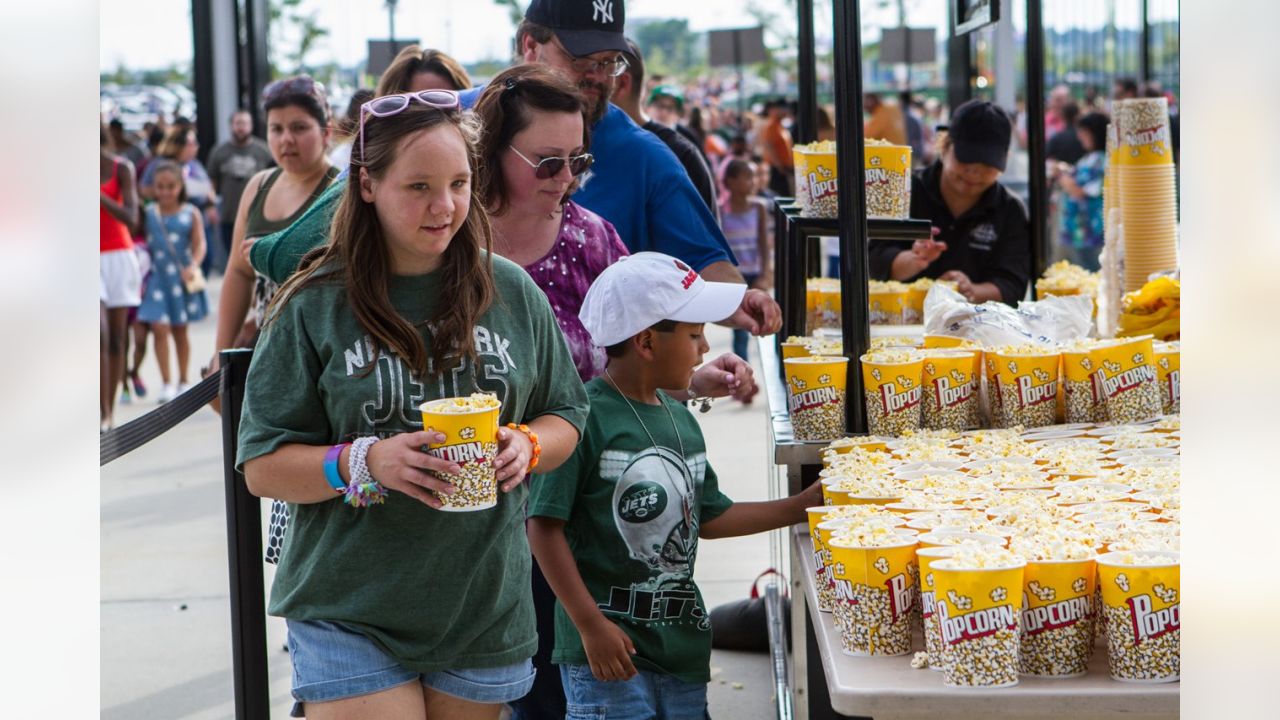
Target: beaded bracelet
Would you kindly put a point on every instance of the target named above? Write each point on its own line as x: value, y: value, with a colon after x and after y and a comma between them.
x: 533, y: 438
x: 363, y: 490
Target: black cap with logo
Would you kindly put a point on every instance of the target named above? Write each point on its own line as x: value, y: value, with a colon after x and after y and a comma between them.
x: 980, y: 133
x: 583, y: 27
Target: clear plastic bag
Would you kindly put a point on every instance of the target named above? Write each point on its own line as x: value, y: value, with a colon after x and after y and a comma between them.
x: 1053, y: 320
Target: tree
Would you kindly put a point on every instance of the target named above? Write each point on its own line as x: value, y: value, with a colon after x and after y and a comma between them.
x: 287, y: 21
x: 514, y: 9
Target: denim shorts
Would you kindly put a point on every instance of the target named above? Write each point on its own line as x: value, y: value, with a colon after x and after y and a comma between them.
x: 333, y: 662
x: 647, y: 695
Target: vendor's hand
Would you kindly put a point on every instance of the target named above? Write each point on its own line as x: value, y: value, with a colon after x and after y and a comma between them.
x: 515, y: 451
x: 609, y: 650
x: 399, y: 463
x: 758, y: 314
x: 727, y: 375
x: 929, y: 250
x: 963, y: 285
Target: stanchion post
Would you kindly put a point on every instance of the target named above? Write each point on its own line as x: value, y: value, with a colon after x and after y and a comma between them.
x: 851, y: 194
x: 244, y: 555
x: 1038, y: 188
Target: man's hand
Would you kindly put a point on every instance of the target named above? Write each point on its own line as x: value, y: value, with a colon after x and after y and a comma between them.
x: 727, y: 375
x: 758, y: 314
x: 609, y: 650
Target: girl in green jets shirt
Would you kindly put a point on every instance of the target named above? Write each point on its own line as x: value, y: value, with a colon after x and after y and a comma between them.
x: 395, y: 608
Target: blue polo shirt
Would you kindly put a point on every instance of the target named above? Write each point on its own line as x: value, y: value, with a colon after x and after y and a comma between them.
x: 638, y: 185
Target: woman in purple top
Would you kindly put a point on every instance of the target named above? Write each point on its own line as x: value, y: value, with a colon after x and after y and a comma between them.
x: 534, y: 145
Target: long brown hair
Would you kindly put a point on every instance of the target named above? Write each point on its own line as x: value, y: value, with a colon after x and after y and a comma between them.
x: 357, y: 255
x: 413, y: 60
x: 503, y: 111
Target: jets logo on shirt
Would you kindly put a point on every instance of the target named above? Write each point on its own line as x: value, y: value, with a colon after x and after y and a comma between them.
x: 982, y: 237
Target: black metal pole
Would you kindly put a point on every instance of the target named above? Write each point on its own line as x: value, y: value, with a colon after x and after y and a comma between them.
x: 244, y: 555
x: 1035, y: 135
x: 807, y: 75
x: 851, y: 196
x: 1144, y: 53
x: 959, y: 66
x: 737, y: 68
x: 202, y: 75
x: 257, y: 69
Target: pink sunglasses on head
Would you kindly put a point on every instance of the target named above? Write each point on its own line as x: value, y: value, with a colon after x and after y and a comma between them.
x: 389, y: 105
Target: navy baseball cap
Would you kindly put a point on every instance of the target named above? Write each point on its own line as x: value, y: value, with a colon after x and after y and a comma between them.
x: 980, y: 133
x: 583, y: 27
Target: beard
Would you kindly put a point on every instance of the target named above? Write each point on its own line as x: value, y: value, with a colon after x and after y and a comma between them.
x: 598, y: 104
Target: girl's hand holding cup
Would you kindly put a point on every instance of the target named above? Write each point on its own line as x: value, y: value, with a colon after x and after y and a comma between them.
x: 399, y: 463
x: 515, y: 452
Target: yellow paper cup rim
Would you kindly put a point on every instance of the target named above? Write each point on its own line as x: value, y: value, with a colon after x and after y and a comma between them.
x: 1112, y: 559
x: 816, y: 359
x: 424, y: 409
x: 903, y: 541
x: 1020, y: 564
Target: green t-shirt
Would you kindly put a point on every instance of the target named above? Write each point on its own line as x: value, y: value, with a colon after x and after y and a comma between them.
x: 277, y: 255
x: 435, y: 590
x: 632, y: 513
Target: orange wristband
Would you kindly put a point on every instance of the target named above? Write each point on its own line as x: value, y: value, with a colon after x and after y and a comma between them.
x: 533, y: 438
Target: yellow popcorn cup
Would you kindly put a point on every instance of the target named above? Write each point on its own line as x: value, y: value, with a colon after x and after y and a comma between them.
x: 821, y: 556
x: 951, y: 539
x: 1169, y: 376
x: 1127, y: 379
x: 816, y: 396
x: 887, y: 307
x: 875, y: 592
x: 866, y: 442
x: 1142, y: 614
x: 913, y: 306
x: 1082, y: 395
x: 816, y: 179
x: 979, y: 616
x: 1058, y: 614
x: 928, y: 611
x: 1143, y: 132
x: 892, y: 394
x: 888, y: 181
x: 822, y: 304
x: 1028, y: 388
x: 471, y: 441
x: 950, y: 394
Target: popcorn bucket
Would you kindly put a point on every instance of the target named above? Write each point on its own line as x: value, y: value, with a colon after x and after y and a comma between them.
x: 928, y: 615
x: 875, y: 591
x: 846, y: 445
x: 892, y: 393
x: 1143, y: 132
x: 1058, y: 614
x: 995, y: 409
x: 815, y: 168
x: 1127, y: 380
x: 1082, y: 395
x: 886, y: 304
x: 816, y: 396
x: 978, y: 613
x: 822, y: 303
x: 913, y: 307
x: 948, y: 342
x: 950, y: 393
x: 1028, y: 388
x: 953, y: 538
x: 888, y: 181
x: 470, y: 427
x: 1142, y: 614
x: 1169, y: 376
x: 821, y: 556
x: 794, y: 349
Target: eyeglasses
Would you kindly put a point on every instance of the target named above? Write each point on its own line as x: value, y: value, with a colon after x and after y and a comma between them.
x: 296, y: 85
x: 389, y: 105
x: 609, y: 68
x: 550, y: 167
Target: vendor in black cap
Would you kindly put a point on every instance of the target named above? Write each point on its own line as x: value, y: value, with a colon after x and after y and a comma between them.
x: 981, y: 238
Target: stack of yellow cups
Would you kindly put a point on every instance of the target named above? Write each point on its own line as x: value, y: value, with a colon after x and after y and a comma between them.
x: 1147, y: 189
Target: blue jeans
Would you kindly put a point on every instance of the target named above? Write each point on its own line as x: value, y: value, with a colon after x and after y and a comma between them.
x: 647, y: 696
x: 741, y: 337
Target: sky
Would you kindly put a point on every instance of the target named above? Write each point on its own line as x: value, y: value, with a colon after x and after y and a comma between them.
x: 473, y: 30
x: 470, y: 30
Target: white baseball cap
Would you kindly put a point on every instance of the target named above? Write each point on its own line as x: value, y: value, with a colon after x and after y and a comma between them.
x: 641, y: 290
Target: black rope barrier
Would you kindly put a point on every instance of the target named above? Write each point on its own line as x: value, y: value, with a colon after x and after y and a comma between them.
x: 120, y: 441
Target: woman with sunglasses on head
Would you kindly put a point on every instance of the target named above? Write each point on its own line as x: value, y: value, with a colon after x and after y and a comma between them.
x: 297, y: 133
x: 395, y: 608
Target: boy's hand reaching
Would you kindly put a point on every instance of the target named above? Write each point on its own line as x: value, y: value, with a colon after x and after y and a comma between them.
x: 609, y: 650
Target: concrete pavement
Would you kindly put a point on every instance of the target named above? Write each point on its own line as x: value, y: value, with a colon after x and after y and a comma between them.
x: 165, y: 614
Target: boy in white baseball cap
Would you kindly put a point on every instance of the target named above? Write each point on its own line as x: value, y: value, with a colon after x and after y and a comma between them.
x: 615, y: 528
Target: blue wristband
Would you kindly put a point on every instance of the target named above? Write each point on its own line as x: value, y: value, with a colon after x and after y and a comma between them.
x: 331, y: 467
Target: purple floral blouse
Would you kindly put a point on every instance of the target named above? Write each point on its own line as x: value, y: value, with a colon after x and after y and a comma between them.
x: 587, y: 244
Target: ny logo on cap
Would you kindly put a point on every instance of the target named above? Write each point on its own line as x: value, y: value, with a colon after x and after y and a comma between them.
x: 602, y: 11
x: 689, y: 279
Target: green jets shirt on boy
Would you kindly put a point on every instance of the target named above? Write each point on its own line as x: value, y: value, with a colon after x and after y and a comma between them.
x: 314, y: 380
x: 632, y: 513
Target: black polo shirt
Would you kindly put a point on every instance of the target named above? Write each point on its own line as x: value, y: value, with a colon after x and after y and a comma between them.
x: 989, y: 243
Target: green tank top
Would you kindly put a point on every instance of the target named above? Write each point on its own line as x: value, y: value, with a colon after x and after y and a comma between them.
x: 257, y: 225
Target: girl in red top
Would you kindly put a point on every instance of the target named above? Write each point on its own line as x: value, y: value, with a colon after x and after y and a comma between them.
x: 120, y: 279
